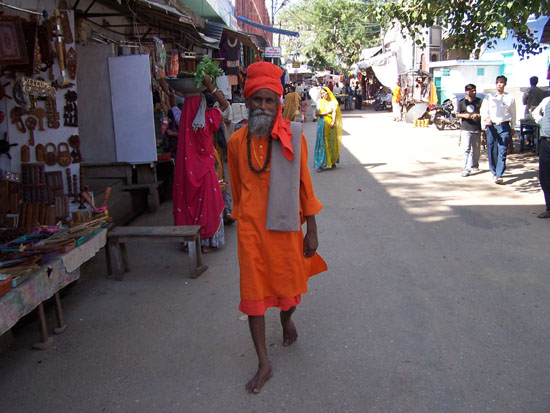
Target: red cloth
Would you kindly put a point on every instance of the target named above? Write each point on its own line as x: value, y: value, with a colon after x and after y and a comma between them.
x: 196, y: 193
x: 265, y: 75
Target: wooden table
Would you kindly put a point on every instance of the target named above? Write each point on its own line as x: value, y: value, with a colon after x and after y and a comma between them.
x: 529, y: 127
x: 44, y: 284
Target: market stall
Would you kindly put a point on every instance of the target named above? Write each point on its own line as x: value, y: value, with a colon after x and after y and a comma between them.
x: 39, y: 120
x: 35, y: 268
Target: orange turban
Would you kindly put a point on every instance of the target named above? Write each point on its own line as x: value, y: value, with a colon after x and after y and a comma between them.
x: 265, y: 75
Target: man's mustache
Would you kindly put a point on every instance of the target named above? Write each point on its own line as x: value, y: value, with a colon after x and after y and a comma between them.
x: 261, y: 112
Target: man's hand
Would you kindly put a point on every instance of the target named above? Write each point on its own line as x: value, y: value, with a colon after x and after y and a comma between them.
x: 310, y: 240
x: 310, y: 244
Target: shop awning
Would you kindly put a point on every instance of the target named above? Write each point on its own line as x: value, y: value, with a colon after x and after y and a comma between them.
x: 214, y: 31
x: 245, y: 38
x: 370, y: 52
x: 162, y: 18
x: 268, y: 28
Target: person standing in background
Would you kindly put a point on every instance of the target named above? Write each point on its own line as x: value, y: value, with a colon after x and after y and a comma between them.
x: 541, y: 114
x: 396, y: 102
x: 470, y: 134
x: 291, y: 104
x: 498, y: 116
x: 532, y: 97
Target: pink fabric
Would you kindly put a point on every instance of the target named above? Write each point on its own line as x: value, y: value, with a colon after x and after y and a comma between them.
x: 196, y: 195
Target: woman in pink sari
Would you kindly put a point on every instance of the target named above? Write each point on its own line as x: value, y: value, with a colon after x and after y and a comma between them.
x: 196, y: 195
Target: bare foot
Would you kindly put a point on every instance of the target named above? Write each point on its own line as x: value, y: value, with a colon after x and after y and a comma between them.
x: 256, y: 383
x: 545, y: 214
x: 208, y: 250
x: 290, y: 334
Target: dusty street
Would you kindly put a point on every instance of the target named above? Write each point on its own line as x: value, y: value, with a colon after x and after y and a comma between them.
x: 436, y: 300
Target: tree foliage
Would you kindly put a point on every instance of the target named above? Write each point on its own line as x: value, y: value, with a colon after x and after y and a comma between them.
x: 471, y: 23
x: 332, y: 32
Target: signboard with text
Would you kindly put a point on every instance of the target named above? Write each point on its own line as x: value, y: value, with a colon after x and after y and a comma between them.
x: 272, y: 51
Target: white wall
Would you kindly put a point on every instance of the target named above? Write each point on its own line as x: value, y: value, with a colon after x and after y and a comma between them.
x: 460, y: 76
x: 522, y: 70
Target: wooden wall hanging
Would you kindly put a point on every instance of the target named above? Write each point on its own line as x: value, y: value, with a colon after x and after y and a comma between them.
x: 54, y: 185
x: 74, y: 141
x: 25, y: 154
x: 66, y: 27
x: 12, y: 47
x: 63, y: 154
x: 30, y: 123
x: 72, y: 63
x: 30, y: 29
x: 71, y: 109
x: 15, y: 115
x: 45, y: 36
x: 39, y: 152
x: 50, y: 156
x: 52, y: 114
x: 34, y: 183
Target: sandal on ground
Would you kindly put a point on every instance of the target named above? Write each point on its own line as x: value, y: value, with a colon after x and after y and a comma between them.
x: 545, y: 214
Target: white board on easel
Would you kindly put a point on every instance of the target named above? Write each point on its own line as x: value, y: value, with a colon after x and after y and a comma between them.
x: 132, y: 104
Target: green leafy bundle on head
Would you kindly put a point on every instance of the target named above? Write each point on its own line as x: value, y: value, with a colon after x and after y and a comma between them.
x: 207, y: 67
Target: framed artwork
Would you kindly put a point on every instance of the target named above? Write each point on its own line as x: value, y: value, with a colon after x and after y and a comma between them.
x: 13, y: 50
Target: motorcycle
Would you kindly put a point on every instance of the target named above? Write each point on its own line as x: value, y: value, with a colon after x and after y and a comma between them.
x: 445, y: 116
x: 383, y: 101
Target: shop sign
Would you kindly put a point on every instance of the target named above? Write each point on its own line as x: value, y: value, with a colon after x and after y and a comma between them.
x: 296, y: 65
x: 272, y: 51
x: 445, y: 72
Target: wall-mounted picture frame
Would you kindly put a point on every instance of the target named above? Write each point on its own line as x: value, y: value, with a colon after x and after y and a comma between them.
x: 13, y: 50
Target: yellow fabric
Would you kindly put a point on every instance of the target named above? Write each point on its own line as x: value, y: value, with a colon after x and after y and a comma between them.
x: 396, y: 95
x: 291, y: 106
x: 332, y: 150
x: 433, y: 94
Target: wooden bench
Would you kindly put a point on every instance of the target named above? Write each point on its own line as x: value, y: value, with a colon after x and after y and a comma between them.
x: 117, y: 256
x: 153, y: 201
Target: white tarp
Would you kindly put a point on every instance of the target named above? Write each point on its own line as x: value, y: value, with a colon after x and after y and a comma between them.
x: 384, y: 67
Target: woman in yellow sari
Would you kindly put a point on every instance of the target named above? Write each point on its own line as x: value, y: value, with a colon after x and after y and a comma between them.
x: 329, y: 131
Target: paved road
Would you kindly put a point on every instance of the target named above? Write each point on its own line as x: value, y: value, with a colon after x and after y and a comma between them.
x: 436, y: 299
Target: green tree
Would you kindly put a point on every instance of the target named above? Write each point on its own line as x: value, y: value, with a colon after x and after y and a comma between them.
x: 332, y: 32
x: 471, y: 23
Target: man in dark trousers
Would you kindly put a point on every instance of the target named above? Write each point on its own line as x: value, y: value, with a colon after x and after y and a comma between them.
x: 470, y: 134
x: 498, y: 115
x: 542, y: 115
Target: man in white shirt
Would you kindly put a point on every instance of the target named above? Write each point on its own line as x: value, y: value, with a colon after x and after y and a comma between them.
x: 498, y: 116
x: 542, y: 115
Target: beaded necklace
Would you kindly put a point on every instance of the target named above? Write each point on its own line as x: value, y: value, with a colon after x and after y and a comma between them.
x: 249, y: 155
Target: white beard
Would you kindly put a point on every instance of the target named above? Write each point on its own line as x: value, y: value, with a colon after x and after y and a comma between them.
x: 260, y: 122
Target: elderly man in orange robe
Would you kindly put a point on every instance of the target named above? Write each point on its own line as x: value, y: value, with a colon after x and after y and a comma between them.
x: 273, y: 196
